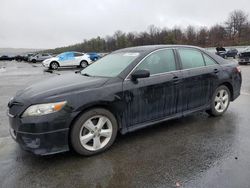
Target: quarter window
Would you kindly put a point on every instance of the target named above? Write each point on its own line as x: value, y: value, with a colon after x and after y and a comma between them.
x: 191, y: 58
x: 77, y: 54
x: 159, y: 62
x: 209, y: 60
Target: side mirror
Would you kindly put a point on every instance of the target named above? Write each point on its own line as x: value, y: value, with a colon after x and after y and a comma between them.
x: 140, y: 74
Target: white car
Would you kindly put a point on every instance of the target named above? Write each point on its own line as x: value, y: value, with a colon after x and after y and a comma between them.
x: 67, y: 59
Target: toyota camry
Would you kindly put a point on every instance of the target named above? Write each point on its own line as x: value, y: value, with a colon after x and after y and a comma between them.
x: 126, y: 90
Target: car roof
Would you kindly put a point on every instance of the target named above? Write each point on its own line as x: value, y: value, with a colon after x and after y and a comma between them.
x: 149, y: 48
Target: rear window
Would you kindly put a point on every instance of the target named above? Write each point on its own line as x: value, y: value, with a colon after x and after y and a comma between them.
x: 191, y: 58
x: 209, y: 60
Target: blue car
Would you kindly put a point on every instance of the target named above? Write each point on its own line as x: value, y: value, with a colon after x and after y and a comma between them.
x: 94, y: 56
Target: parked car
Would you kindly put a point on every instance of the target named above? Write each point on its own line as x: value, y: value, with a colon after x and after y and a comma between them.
x: 27, y: 56
x: 232, y: 52
x: 6, y: 58
x: 244, y: 56
x: 94, y: 56
x: 124, y: 91
x: 68, y: 59
x: 39, y: 57
x: 19, y: 58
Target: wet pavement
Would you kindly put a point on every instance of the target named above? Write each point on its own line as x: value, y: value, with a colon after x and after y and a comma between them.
x: 194, y: 151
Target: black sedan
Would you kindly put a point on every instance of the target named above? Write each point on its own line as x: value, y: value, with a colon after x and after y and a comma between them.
x: 6, y: 58
x: 127, y: 90
x: 232, y: 52
x: 244, y: 57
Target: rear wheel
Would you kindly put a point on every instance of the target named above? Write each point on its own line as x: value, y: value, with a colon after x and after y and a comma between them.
x: 83, y: 64
x: 220, y: 101
x: 94, y: 132
x: 33, y: 61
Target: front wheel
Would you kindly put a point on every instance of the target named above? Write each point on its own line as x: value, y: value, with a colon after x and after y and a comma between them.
x: 93, y: 132
x: 220, y: 101
x: 54, y: 65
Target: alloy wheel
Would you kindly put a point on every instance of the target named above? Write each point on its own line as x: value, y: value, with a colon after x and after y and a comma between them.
x: 84, y: 64
x: 95, y: 133
x: 221, y: 100
x: 54, y: 66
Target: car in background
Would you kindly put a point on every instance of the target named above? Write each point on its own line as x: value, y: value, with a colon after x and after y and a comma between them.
x: 39, y: 57
x: 232, y: 52
x: 22, y: 57
x: 122, y: 92
x: 94, y: 56
x: 68, y: 59
x: 6, y: 58
x: 26, y: 56
x: 244, y: 56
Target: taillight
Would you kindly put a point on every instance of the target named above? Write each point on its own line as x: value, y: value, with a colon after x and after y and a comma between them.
x: 238, y: 69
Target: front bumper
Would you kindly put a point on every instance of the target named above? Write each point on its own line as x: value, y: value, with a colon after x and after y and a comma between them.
x: 42, y: 143
x: 45, y: 65
x: 244, y: 60
x: 41, y: 135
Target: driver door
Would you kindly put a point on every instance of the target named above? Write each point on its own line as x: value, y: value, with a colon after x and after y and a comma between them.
x: 155, y: 97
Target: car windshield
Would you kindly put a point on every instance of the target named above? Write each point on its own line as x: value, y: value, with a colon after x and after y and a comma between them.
x: 111, y: 65
x: 62, y: 54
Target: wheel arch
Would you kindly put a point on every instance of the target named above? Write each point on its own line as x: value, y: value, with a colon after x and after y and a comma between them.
x: 84, y: 60
x: 105, y: 106
x: 230, y: 87
x: 54, y: 61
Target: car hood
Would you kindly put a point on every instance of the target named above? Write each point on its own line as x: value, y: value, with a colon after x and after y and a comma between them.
x: 58, y: 86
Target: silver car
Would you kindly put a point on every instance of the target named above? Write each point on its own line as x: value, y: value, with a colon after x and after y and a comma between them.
x: 39, y: 57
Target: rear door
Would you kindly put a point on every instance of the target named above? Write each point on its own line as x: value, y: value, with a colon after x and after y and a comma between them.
x: 78, y: 58
x: 154, y: 97
x: 196, y: 83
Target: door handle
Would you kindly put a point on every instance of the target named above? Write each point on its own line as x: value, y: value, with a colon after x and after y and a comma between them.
x: 176, y: 80
x: 216, y: 71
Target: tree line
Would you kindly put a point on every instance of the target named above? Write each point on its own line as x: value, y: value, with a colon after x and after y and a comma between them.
x: 234, y: 31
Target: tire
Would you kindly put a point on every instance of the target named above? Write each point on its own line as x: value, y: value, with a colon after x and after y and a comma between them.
x: 93, y: 143
x: 220, y: 101
x: 54, y: 65
x: 33, y: 61
x: 83, y: 64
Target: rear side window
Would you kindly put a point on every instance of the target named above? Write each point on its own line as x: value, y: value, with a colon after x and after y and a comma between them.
x: 209, y: 60
x: 159, y: 62
x: 77, y: 54
x: 191, y: 58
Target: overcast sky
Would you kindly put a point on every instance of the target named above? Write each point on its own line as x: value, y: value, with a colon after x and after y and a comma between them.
x: 55, y: 23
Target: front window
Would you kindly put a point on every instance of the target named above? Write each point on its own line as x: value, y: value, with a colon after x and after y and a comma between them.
x: 111, y: 65
x: 159, y: 62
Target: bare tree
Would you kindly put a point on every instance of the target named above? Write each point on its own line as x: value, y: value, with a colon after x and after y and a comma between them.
x: 235, y: 23
x: 191, y: 35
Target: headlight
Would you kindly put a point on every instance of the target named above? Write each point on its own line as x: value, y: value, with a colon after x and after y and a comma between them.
x: 43, y: 109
